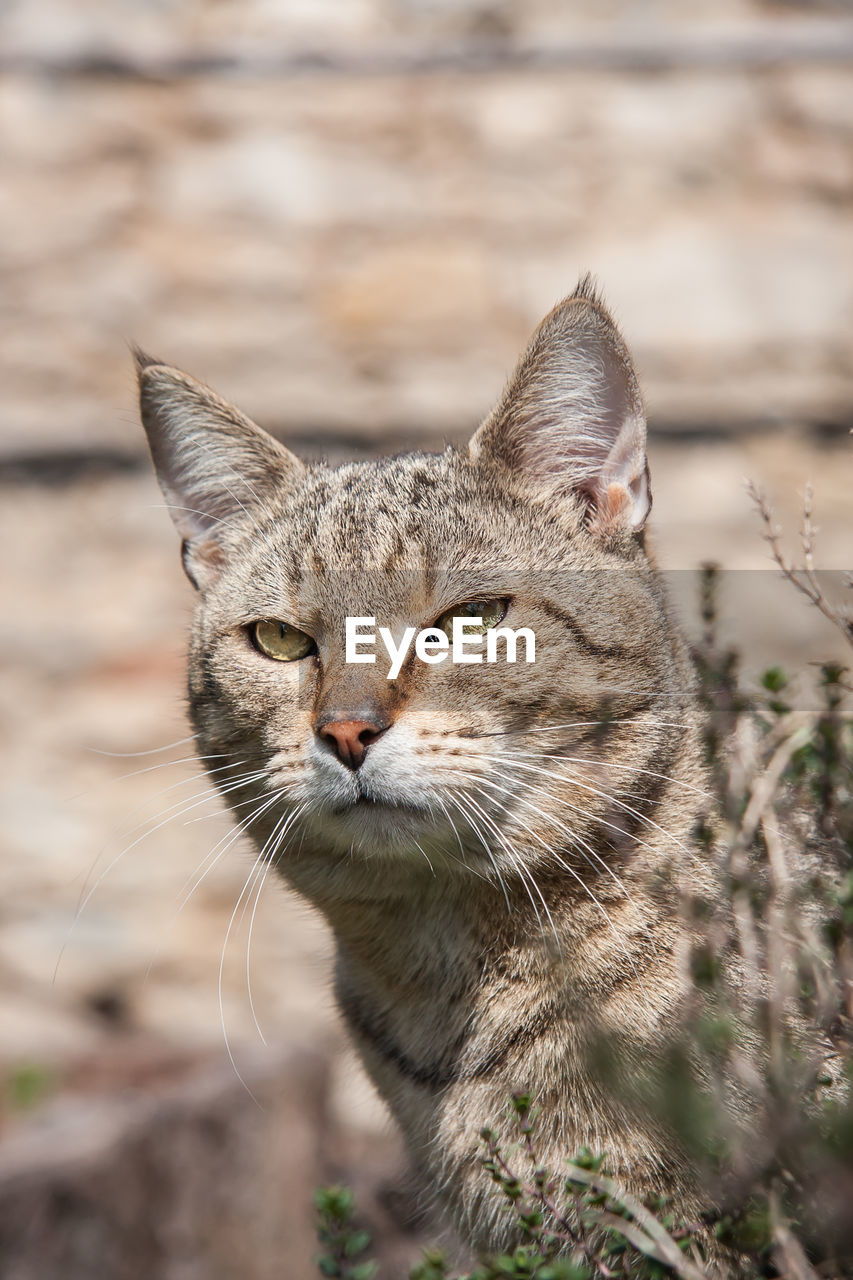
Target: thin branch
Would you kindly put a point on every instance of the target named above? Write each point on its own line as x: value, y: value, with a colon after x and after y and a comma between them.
x: 804, y: 579
x: 667, y: 1250
x: 788, y: 1255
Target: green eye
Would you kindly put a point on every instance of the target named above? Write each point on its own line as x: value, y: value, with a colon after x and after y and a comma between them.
x: 491, y: 612
x: 280, y: 641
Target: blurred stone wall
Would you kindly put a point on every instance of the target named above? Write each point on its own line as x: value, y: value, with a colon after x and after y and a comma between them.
x: 348, y: 215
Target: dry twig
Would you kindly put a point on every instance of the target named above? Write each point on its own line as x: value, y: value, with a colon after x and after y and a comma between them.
x: 805, y: 578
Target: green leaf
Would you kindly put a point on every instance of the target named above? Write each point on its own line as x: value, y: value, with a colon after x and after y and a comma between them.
x: 335, y: 1202
x: 774, y: 680
x: 356, y: 1243
x: 363, y: 1271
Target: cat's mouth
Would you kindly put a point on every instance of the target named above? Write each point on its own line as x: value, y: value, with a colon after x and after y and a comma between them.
x: 373, y: 795
x: 373, y: 824
x: 367, y: 804
x: 372, y: 805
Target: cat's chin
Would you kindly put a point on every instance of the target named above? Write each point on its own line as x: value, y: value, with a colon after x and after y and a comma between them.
x: 376, y: 826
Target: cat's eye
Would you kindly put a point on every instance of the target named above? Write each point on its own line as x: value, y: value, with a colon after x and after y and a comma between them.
x: 490, y: 611
x: 280, y: 641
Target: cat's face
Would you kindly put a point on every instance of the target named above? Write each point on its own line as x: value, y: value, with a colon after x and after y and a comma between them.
x: 535, y: 525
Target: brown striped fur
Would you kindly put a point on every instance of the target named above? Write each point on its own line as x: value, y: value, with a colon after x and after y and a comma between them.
x: 504, y: 874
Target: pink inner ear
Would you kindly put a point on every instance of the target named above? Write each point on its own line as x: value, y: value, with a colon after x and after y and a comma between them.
x: 610, y: 508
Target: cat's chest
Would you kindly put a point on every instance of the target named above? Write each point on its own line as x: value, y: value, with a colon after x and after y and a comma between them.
x: 449, y: 1019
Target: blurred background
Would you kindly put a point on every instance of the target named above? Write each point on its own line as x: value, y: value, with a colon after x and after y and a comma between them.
x: 347, y: 215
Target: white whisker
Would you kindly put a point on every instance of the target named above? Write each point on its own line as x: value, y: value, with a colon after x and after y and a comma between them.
x: 152, y: 751
x: 584, y: 786
x: 180, y: 808
x: 246, y: 887
x: 567, y: 867
x: 207, y: 864
x: 610, y: 764
x: 454, y: 799
x: 588, y: 851
x: 524, y: 873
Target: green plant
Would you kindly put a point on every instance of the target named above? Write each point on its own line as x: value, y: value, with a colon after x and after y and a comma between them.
x: 344, y: 1243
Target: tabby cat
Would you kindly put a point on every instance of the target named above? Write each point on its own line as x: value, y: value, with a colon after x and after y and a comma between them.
x: 500, y: 849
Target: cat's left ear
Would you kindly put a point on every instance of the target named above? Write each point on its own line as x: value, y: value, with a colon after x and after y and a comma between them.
x: 217, y: 469
x: 571, y: 420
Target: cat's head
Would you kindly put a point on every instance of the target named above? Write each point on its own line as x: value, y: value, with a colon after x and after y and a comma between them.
x: 536, y: 524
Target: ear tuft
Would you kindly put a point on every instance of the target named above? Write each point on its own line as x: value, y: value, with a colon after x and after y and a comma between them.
x: 587, y: 290
x: 571, y: 420
x: 142, y: 360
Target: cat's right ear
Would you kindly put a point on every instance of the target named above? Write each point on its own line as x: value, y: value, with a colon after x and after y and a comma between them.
x: 216, y: 468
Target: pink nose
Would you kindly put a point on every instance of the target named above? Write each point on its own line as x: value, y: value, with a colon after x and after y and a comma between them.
x: 351, y: 738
